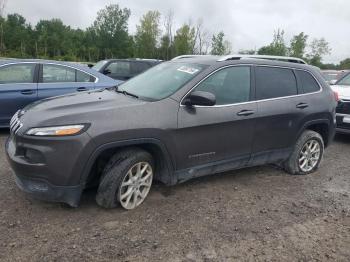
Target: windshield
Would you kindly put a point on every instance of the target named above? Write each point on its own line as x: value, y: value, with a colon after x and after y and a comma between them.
x: 345, y: 81
x: 162, y: 80
x: 99, y: 65
x: 331, y: 76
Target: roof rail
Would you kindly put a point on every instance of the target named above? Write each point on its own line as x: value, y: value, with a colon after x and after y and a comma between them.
x: 267, y: 57
x: 189, y: 56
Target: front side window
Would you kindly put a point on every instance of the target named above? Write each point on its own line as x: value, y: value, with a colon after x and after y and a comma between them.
x: 345, y: 81
x: 119, y: 68
x: 18, y: 73
x: 230, y: 85
x: 58, y: 74
x: 162, y: 80
x: 308, y: 82
x: 274, y: 82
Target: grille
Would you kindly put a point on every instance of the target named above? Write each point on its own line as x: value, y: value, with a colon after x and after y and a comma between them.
x: 15, y: 124
x: 343, y: 107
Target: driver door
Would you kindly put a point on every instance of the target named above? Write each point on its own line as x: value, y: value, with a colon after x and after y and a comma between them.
x: 223, y: 133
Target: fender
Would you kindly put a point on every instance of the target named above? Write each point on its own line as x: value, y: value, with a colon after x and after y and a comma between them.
x: 132, y: 142
x: 313, y: 122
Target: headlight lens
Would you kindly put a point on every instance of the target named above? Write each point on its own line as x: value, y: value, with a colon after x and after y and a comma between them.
x: 56, y: 130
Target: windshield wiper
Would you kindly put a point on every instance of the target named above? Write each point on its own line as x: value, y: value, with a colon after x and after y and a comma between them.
x: 125, y: 93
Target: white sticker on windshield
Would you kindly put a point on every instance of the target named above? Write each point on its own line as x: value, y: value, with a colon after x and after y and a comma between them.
x: 188, y: 70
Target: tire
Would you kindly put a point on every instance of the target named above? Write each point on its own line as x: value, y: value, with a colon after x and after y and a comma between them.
x: 300, y: 155
x: 121, y: 175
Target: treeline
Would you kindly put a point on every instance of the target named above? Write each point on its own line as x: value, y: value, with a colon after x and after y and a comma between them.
x: 155, y: 37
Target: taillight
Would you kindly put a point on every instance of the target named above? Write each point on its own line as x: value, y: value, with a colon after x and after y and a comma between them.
x: 336, y: 96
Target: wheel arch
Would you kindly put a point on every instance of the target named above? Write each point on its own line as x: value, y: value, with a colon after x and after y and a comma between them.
x: 321, y: 126
x: 163, y: 162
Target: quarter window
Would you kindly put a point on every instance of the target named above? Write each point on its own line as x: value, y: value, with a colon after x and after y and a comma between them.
x: 308, y: 82
x: 230, y: 85
x: 58, y: 74
x: 274, y: 82
x: 18, y: 73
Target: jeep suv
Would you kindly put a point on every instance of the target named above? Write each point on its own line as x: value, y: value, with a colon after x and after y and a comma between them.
x: 179, y: 120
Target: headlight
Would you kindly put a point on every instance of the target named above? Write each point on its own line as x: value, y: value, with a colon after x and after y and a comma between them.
x: 56, y: 130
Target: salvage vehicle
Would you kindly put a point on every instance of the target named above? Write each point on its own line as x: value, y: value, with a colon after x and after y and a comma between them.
x: 124, y: 69
x: 342, y: 87
x: 25, y: 81
x: 179, y: 120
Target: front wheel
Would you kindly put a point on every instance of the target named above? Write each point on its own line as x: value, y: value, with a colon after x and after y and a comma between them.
x: 127, y: 179
x: 307, y: 154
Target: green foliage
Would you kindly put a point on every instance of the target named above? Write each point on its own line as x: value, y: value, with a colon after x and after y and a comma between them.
x: 184, y: 40
x: 147, y: 35
x: 277, y: 47
x: 298, y: 45
x: 319, y: 48
x: 220, y: 46
x: 345, y: 64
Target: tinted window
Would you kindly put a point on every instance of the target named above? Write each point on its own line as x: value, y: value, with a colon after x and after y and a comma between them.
x: 84, y: 77
x: 230, y: 85
x: 57, y: 74
x: 139, y: 67
x: 20, y: 73
x: 119, y: 68
x: 345, y: 81
x: 308, y: 82
x: 162, y: 80
x: 274, y: 82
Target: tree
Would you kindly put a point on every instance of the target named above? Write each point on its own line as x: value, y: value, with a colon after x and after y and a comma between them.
x: 277, y: 47
x: 111, y: 31
x: 220, y: 46
x: 202, y: 39
x: 247, y: 52
x: 345, y: 64
x: 298, y: 45
x: 319, y: 48
x: 147, y: 35
x: 184, y: 40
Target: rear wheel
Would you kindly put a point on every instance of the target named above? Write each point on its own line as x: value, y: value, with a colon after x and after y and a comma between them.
x: 127, y: 179
x: 307, y: 154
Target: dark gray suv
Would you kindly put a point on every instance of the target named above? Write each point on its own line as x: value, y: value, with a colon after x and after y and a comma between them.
x: 179, y: 120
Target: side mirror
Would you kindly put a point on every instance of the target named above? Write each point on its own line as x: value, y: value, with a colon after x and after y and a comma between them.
x: 200, y: 98
x: 106, y: 72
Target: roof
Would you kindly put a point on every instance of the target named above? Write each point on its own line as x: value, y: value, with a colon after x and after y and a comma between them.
x: 241, y: 59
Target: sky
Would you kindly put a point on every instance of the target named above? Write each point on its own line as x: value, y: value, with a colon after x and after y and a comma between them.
x: 247, y: 24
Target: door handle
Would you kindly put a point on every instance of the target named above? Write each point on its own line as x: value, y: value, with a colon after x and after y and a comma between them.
x: 245, y: 113
x: 27, y: 92
x: 81, y: 89
x: 302, y: 105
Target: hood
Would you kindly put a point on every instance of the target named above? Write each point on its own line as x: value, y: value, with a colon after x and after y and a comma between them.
x: 76, y: 108
x: 343, y: 91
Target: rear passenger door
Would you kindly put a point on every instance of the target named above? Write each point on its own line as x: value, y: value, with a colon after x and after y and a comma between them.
x: 277, y: 118
x: 18, y: 88
x: 59, y: 80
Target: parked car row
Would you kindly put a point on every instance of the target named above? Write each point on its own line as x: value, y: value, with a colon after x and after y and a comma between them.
x: 332, y: 76
x: 189, y: 117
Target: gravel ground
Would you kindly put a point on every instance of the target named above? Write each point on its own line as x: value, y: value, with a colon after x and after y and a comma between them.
x: 255, y: 214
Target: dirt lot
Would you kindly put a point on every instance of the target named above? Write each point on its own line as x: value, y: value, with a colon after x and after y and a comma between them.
x: 256, y: 214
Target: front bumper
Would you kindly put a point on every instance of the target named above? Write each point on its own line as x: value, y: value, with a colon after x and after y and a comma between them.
x: 49, y: 168
x: 343, y: 123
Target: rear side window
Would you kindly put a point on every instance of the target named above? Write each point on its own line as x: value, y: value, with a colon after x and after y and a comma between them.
x: 83, y: 77
x: 58, y: 74
x: 308, y: 82
x: 19, y: 73
x: 273, y: 82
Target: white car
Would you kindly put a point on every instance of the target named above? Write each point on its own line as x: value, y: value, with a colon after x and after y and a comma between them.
x: 342, y: 87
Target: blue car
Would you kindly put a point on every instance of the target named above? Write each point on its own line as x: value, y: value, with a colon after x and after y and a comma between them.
x: 25, y: 81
